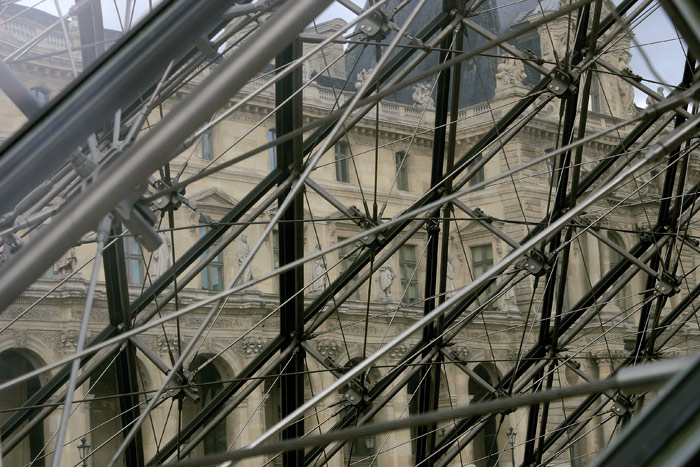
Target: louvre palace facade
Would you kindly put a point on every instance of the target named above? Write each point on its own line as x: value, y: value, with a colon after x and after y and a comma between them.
x: 380, y: 168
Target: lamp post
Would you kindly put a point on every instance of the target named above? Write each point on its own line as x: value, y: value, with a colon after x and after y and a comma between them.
x: 511, y: 440
x: 84, y: 449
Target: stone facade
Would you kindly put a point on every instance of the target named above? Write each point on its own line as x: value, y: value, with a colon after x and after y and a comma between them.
x: 249, y: 320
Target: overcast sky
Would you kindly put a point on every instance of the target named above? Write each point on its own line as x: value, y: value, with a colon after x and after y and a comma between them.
x: 656, y: 34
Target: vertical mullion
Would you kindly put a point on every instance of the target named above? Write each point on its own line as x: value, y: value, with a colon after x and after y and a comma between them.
x: 116, y: 282
x: 429, y: 390
x: 291, y: 246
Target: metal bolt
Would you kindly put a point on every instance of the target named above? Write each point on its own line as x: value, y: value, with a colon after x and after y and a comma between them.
x: 556, y: 88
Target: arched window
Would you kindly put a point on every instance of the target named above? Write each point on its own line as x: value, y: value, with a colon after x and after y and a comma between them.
x: 104, y: 416
x: 209, y: 383
x: 486, y: 442
x: 13, y: 364
x: 362, y: 448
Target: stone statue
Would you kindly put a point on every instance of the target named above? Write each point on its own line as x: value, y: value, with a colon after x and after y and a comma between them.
x: 385, y: 277
x: 510, y: 73
x: 421, y: 96
x: 160, y: 259
x: 651, y: 100
x: 66, y: 264
x: 508, y: 302
x: 625, y: 89
x: 319, y: 278
x: 362, y: 77
x: 242, y: 252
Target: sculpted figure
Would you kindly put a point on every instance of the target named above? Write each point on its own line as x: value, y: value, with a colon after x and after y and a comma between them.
x: 421, y: 96
x: 362, y: 77
x: 160, y: 260
x: 67, y: 263
x: 242, y: 252
x: 625, y: 90
x: 319, y: 278
x: 385, y: 277
x: 651, y: 100
x: 510, y: 73
x: 508, y: 302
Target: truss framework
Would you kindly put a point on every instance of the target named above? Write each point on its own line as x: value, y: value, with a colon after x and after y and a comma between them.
x: 79, y: 161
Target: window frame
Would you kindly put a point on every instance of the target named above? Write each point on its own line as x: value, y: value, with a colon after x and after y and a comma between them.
x: 272, y: 151
x: 215, y: 266
x: 401, y: 161
x: 41, y: 94
x: 486, y: 264
x: 614, y: 258
x: 345, y: 264
x: 479, y: 176
x: 342, y: 171
x: 410, y: 292
x: 594, y: 94
x: 134, y: 258
x: 206, y: 145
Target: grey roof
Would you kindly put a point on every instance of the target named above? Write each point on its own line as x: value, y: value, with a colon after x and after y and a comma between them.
x: 478, y: 74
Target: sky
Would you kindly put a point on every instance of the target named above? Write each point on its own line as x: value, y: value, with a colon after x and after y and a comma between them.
x: 656, y: 34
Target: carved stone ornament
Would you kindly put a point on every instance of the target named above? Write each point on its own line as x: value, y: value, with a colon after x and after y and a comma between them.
x: 362, y: 77
x: 328, y: 348
x: 163, y: 344
x: 253, y: 345
x: 20, y: 338
x: 399, y: 351
x: 69, y: 340
x: 384, y: 278
x: 460, y: 353
x: 421, y: 96
x: 510, y: 72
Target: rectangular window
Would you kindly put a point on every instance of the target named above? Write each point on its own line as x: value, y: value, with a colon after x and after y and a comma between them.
x: 345, y: 263
x: 482, y: 261
x: 553, y: 168
x: 271, y: 136
x: 342, y: 152
x: 40, y: 94
x: 594, y: 95
x: 478, y: 177
x: 401, y: 159
x: 408, y: 274
x: 207, y: 146
x: 615, y: 258
x: 276, y: 258
x: 134, y: 261
x: 213, y: 274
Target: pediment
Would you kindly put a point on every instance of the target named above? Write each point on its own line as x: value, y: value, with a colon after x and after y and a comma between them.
x: 213, y: 198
